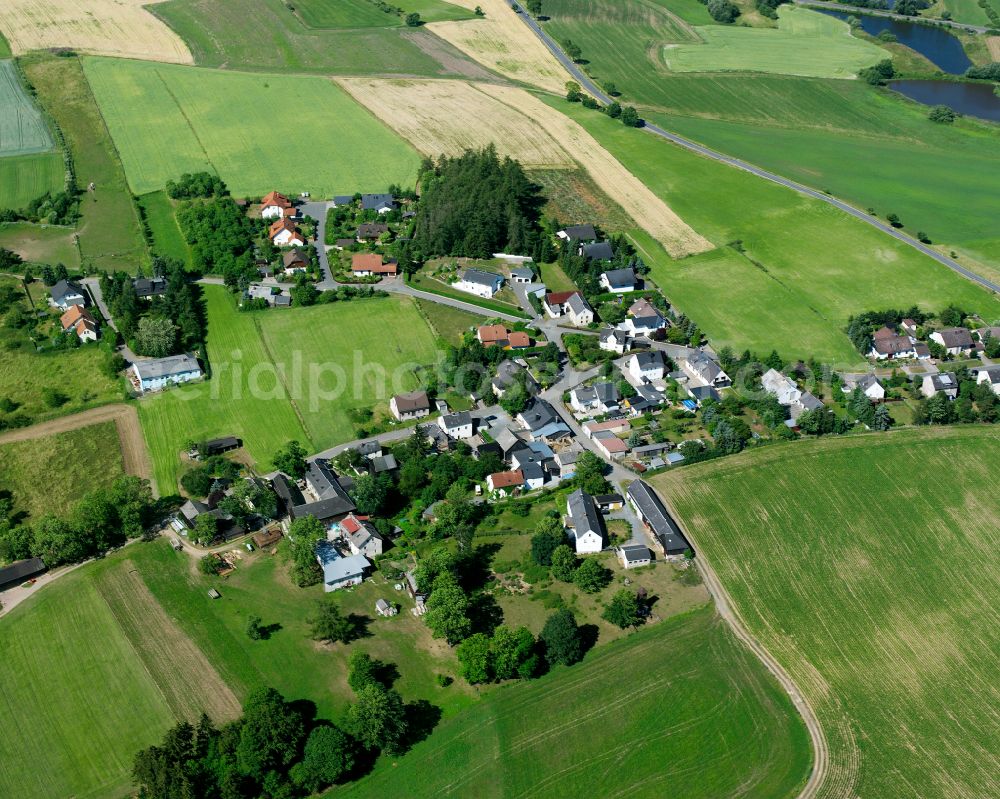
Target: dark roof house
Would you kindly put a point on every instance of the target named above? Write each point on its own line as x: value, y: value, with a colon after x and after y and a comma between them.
x: 655, y: 516
x: 600, y: 251
x: 19, y: 571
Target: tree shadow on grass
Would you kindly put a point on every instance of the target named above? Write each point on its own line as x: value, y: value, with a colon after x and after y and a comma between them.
x: 421, y: 719
x: 359, y: 626
x: 267, y: 630
x: 588, y: 637
x: 474, y: 569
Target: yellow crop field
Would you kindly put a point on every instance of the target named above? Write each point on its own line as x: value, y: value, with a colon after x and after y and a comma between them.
x: 448, y: 117
x: 105, y: 27
x: 502, y: 42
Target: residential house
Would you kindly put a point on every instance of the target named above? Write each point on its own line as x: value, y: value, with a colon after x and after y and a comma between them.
x: 597, y: 251
x: 478, y: 282
x: 344, y: 244
x: 541, y: 421
x: 646, y: 366
x: 704, y: 371
x: 648, y: 399
x: 283, y: 233
x: 584, y: 523
x: 578, y: 233
x: 632, y: 556
x: 20, y: 571
x: 365, y: 264
x: 272, y: 295
x: 869, y: 384
x: 371, y: 231
x: 362, y: 537
x: 65, y: 294
x: 596, y: 399
x: 338, y: 571
x: 701, y: 393
x: 660, y: 524
x: 414, y: 405
x: 566, y: 460
x: 225, y: 525
x: 276, y: 206
x: 456, y: 425
x: 945, y: 382
x: 156, y: 373
x: 327, y: 498
x: 884, y: 333
x: 533, y: 461
x: 508, y: 372
x: 892, y: 347
x: 492, y: 335
x: 148, y: 287
x: 614, y: 340
x: 571, y: 304
x: 789, y: 394
x: 340, y: 200
x: 79, y: 320
x: 519, y: 340
x: 642, y: 307
x: 649, y: 451
x: 382, y: 203
x: 909, y: 327
x: 955, y: 340
x: 643, y: 325
x: 505, y: 483
x: 522, y: 274
x: 989, y: 375
x: 619, y: 281
x: 295, y: 260
x: 987, y: 334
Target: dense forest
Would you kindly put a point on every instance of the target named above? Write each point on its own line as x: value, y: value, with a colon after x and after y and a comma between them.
x: 475, y: 205
x: 221, y: 239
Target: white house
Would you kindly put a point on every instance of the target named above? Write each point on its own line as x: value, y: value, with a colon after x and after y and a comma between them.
x: 338, y: 571
x: 618, y: 281
x: 276, y: 206
x: 284, y: 234
x: 614, y: 340
x: 956, y: 340
x: 704, y: 371
x: 505, y: 483
x: 157, y: 373
x: 362, y: 537
x: 584, y: 523
x: 598, y: 398
x: 643, y: 325
x: 522, y: 274
x: 456, y: 425
x: 632, y: 556
x: 788, y: 393
x: 869, y: 384
x: 945, y: 382
x: 893, y: 346
x: 646, y: 366
x: 65, y: 294
x: 382, y: 203
x: 990, y: 375
x: 482, y: 284
x: 571, y: 304
x: 414, y: 405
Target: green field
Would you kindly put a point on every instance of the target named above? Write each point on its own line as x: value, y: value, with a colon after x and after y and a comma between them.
x: 364, y: 14
x: 27, y: 468
x: 168, y: 119
x: 22, y: 127
x: 24, y: 178
x: 678, y: 710
x: 110, y: 237
x: 447, y: 323
x: 868, y: 566
x: 820, y: 259
x: 246, y: 398
x: 167, y: 237
x: 265, y: 35
x: 967, y: 11
x: 38, y: 244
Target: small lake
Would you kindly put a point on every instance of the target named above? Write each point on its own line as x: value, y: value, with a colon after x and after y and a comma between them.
x: 970, y: 99
x: 935, y: 44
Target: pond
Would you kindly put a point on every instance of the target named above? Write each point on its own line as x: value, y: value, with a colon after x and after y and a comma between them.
x: 971, y: 99
x: 935, y: 44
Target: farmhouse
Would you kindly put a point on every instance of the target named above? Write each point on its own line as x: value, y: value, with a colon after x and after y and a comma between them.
x: 456, y: 425
x: 578, y: 233
x: 283, y: 233
x: 989, y: 375
x: 614, y: 340
x: 599, y: 398
x: 619, y: 281
x: 79, y: 320
x: 66, y: 294
x: 338, y: 571
x: 584, y: 523
x: 371, y: 231
x: 632, y: 556
x: 891, y: 347
x: 414, y: 405
x: 276, y: 206
x: 646, y: 366
x: 362, y: 537
x: 505, y: 483
x: 381, y: 203
x: 704, y: 371
x: 148, y: 287
x: 157, y: 373
x: 480, y: 283
x: 945, y: 382
x: 955, y: 340
x: 598, y: 251
x: 571, y: 304
x: 20, y: 571
x: 364, y: 264
x: 654, y: 516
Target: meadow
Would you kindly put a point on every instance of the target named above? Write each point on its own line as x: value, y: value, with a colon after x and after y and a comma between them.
x: 364, y: 14
x: 22, y: 127
x: 265, y: 35
x: 168, y: 240
x: 27, y: 468
x: 167, y: 119
x: 24, y: 178
x: 109, y: 232
x: 639, y: 717
x: 834, y: 265
x: 867, y: 565
x: 447, y: 323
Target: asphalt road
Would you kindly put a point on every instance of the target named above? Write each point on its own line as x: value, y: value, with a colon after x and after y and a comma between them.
x: 399, y: 286
x: 687, y: 144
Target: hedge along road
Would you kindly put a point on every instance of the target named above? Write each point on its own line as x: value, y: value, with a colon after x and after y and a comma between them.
x: 596, y: 91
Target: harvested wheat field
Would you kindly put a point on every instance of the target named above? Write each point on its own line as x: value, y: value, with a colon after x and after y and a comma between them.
x: 439, y: 116
x: 503, y: 43
x: 105, y: 27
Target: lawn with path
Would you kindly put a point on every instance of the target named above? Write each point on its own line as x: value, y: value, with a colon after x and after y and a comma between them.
x: 168, y: 240
x: 867, y: 566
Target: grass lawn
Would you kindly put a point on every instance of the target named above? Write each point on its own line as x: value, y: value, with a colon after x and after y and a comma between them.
x: 967, y: 11
x: 78, y: 374
x: 832, y: 264
x: 449, y: 324
x: 168, y: 240
x: 44, y: 244
x: 110, y: 237
x: 364, y: 14
x: 27, y: 471
x: 265, y: 35
x: 555, y: 279
x: 866, y: 565
x: 169, y: 119
x: 637, y: 718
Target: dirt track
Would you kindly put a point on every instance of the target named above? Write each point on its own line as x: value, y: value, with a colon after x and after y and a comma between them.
x: 135, y: 456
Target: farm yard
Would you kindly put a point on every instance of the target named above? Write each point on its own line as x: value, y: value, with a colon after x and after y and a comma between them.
x: 122, y: 28
x: 867, y: 566
x: 265, y: 35
x: 166, y: 120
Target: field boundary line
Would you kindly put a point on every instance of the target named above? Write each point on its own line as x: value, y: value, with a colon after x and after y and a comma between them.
x: 281, y: 376
x: 730, y: 613
x: 186, y: 119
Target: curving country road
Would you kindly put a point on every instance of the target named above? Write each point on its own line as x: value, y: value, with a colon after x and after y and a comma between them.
x: 694, y: 147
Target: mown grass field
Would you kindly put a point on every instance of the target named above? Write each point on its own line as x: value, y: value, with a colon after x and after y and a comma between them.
x: 364, y: 14
x: 110, y: 237
x: 868, y: 565
x: 22, y: 128
x: 447, y: 323
x: 167, y: 119
x: 679, y: 709
x: 26, y: 177
x: 968, y: 11
x: 168, y: 240
x: 820, y: 258
x: 27, y: 468
x: 93, y: 670
x: 265, y: 35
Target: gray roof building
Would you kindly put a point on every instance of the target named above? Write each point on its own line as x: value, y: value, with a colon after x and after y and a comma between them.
x: 620, y: 279
x: 66, y: 292
x: 599, y: 251
x: 377, y: 202
x: 156, y: 368
x: 656, y: 518
x: 579, y: 233
x: 19, y: 571
x: 481, y: 278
